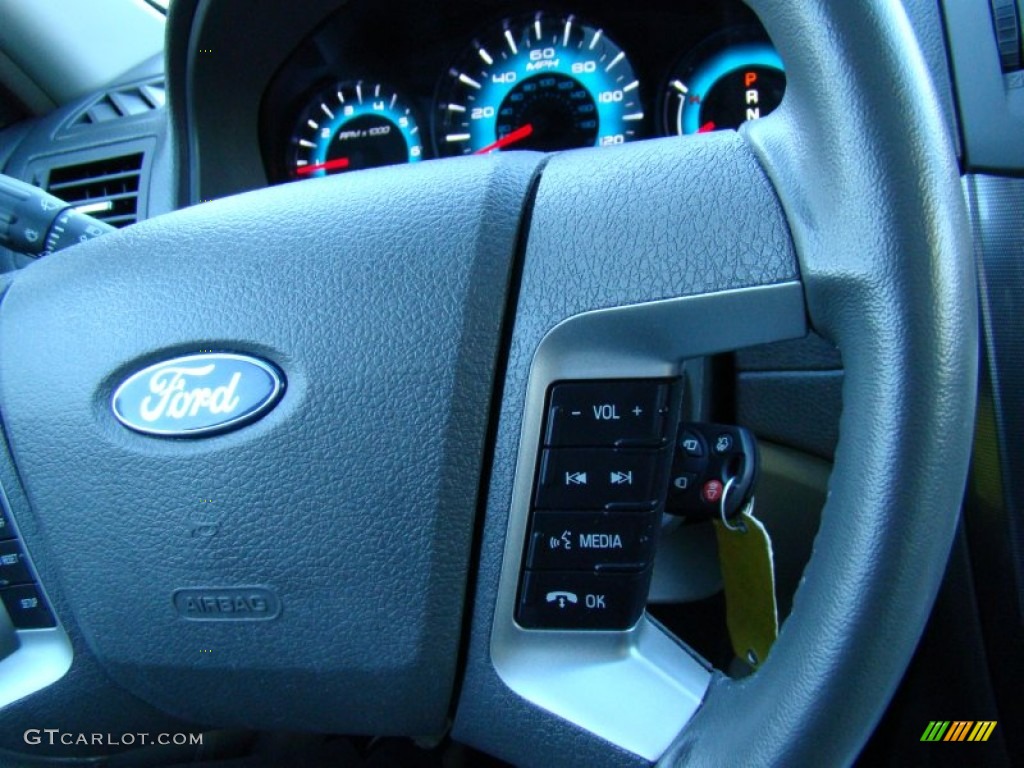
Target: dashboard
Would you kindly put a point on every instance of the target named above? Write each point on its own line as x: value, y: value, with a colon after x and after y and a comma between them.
x: 378, y: 85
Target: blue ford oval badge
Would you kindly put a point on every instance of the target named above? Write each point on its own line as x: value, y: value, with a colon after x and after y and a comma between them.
x: 197, y: 395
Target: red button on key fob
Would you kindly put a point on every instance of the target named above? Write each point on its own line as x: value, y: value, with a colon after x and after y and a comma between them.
x: 711, y: 493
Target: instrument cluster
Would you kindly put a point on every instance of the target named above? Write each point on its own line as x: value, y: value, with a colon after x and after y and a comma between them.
x: 385, y: 83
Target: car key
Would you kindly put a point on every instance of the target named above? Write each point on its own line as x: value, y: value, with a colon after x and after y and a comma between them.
x: 707, y: 457
x: 748, y: 579
x: 714, y: 471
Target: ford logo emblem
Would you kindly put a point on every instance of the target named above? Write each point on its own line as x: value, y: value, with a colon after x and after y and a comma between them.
x: 197, y: 395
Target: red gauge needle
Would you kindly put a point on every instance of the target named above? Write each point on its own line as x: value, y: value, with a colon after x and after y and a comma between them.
x: 509, y: 138
x: 331, y: 165
x: 708, y: 126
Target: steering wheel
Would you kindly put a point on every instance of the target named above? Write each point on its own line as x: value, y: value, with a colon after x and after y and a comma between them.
x: 416, y: 314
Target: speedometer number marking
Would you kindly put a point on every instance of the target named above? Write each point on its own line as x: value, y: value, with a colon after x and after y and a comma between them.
x: 544, y: 91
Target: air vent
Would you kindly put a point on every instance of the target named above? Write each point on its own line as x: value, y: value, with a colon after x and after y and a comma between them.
x: 107, y: 189
x: 124, y: 102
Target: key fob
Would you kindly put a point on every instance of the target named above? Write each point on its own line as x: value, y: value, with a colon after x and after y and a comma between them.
x: 708, y: 460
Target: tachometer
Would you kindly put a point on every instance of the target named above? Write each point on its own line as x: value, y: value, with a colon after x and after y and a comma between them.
x: 350, y: 126
x: 539, y: 82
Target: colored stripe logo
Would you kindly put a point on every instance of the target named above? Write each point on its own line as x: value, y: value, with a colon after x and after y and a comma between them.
x: 958, y: 730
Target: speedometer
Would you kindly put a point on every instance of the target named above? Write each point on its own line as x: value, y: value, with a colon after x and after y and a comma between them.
x: 540, y: 82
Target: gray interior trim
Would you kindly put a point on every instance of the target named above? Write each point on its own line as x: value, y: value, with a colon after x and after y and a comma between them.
x: 23, y: 86
x: 225, y: 83
x: 98, y: 41
x: 996, y: 207
x: 636, y: 688
x: 991, y: 102
x: 795, y: 408
x: 43, y: 657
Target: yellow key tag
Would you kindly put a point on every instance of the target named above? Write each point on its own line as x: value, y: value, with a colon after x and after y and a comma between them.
x: 748, y: 574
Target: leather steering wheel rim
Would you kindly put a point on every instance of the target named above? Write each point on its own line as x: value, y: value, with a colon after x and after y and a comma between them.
x: 874, y: 203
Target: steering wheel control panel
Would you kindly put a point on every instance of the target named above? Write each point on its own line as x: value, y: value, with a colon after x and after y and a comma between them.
x: 34, y: 649
x: 597, y: 503
x: 19, y: 591
x: 612, y: 392
x: 614, y: 457
x: 595, y: 513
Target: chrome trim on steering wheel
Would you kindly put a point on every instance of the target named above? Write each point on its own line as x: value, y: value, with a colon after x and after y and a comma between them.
x: 636, y: 688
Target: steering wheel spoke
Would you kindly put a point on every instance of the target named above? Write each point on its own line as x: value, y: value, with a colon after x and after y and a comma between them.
x: 640, y: 261
x: 874, y: 218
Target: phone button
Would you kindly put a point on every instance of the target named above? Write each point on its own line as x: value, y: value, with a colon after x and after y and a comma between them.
x: 571, y: 600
